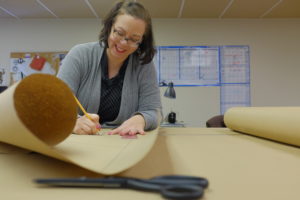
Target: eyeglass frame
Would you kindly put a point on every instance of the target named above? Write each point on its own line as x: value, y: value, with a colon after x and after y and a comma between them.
x: 117, y: 34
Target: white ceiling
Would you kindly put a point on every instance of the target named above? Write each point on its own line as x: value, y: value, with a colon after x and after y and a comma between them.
x: 219, y: 9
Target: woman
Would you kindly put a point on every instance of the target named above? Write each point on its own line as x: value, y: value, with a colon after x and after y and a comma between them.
x: 115, y: 78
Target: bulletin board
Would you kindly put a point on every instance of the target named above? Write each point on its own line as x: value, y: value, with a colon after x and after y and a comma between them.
x: 2, y: 76
x: 23, y: 64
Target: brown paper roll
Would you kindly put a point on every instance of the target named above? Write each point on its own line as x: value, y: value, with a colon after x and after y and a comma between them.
x: 46, y: 106
x: 276, y: 123
x: 41, y: 111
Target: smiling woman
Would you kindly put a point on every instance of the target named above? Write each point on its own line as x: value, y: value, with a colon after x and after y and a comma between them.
x: 121, y: 46
x: 115, y: 78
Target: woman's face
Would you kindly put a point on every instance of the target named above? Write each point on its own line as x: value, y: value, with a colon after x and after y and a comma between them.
x: 126, y: 34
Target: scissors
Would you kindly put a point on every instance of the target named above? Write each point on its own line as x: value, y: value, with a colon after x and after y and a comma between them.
x: 169, y: 186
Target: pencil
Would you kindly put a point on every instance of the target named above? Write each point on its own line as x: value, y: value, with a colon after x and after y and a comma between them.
x: 86, y: 114
x: 82, y: 109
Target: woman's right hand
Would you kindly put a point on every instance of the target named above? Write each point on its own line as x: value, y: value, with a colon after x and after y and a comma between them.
x: 85, y: 126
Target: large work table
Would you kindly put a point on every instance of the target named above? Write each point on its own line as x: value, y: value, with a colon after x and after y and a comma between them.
x: 238, y: 167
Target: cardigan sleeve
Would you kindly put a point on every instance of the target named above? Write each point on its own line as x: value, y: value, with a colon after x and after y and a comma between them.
x: 69, y: 71
x: 149, y: 97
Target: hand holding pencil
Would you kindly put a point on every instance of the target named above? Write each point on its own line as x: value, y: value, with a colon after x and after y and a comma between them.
x: 87, y: 124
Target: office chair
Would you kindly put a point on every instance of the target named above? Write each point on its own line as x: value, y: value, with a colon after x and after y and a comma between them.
x: 2, y: 88
x: 216, y: 122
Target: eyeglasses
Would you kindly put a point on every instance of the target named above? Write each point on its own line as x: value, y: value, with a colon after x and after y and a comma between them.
x: 119, y: 35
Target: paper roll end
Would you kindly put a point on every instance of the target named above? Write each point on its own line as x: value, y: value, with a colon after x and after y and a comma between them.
x: 46, y: 106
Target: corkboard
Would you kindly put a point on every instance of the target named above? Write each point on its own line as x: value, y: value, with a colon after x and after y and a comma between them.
x: 20, y: 62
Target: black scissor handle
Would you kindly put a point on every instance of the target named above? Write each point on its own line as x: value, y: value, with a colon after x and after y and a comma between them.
x: 182, y: 192
x: 181, y: 179
x: 176, y: 191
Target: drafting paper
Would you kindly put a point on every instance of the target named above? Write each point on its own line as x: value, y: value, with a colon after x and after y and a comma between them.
x: 107, y: 154
x: 276, y: 123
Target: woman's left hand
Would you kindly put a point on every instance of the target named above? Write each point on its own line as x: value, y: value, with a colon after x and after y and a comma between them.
x: 132, y: 126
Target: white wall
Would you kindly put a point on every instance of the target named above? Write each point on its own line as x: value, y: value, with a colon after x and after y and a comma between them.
x: 274, y: 52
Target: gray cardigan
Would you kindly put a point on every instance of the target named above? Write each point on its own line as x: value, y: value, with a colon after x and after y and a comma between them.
x: 82, y: 72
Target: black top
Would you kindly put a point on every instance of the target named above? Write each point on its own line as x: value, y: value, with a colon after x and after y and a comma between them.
x: 111, y: 91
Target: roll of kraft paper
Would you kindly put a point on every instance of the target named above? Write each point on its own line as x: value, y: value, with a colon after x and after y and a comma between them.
x: 43, y: 104
x: 39, y: 114
x: 281, y: 124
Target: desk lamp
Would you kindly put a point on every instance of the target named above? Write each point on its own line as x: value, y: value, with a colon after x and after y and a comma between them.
x: 170, y: 93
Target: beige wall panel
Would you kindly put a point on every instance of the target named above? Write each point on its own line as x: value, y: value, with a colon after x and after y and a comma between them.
x: 203, y: 8
x: 158, y: 8
x: 25, y: 8
x: 249, y: 9
x: 286, y: 9
x: 102, y: 7
x: 69, y: 8
x: 4, y: 15
x: 162, y: 8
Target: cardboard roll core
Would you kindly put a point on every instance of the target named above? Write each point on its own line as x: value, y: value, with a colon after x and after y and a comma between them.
x: 46, y: 106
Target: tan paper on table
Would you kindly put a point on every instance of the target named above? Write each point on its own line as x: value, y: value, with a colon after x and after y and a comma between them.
x: 102, y: 154
x: 281, y: 124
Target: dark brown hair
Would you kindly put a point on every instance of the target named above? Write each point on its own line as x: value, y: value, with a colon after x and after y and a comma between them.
x: 146, y: 49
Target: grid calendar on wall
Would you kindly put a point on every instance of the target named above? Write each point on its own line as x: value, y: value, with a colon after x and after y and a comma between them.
x: 227, y: 67
x: 234, y: 77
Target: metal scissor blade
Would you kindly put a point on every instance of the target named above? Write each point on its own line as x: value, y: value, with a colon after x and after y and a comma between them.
x: 83, y: 182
